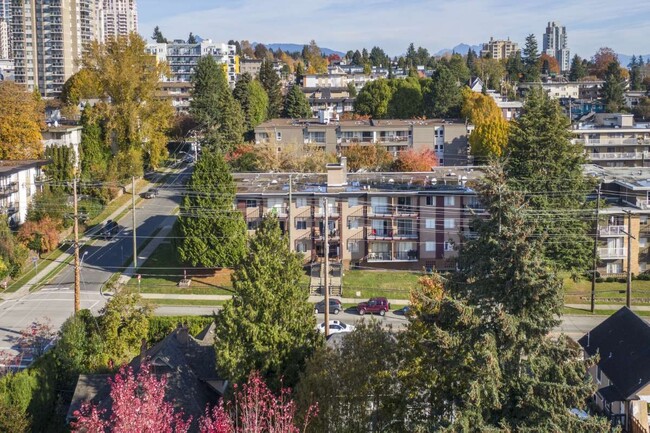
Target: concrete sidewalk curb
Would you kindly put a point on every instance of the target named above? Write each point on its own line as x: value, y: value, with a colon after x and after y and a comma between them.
x: 614, y: 307
x: 312, y: 299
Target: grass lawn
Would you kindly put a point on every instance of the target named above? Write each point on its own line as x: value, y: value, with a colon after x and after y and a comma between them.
x: 31, y: 273
x: 606, y: 293
x: 391, y: 284
x: 199, y: 302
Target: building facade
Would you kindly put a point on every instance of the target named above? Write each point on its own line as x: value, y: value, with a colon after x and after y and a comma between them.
x: 499, y: 49
x: 48, y: 38
x: 118, y: 18
x: 447, y: 138
x: 556, y: 45
x: 384, y: 220
x: 19, y: 182
x: 614, y: 140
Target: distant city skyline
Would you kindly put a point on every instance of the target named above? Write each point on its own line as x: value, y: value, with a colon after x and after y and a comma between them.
x: 392, y: 25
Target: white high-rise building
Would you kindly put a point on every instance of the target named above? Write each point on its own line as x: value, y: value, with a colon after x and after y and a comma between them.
x: 48, y: 38
x: 118, y: 17
x: 5, y: 30
x: 555, y: 44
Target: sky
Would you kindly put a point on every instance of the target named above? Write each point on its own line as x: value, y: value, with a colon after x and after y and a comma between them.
x: 342, y: 25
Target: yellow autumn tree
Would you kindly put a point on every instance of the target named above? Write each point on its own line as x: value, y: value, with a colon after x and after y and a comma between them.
x: 490, y: 135
x: 126, y: 77
x: 21, y: 120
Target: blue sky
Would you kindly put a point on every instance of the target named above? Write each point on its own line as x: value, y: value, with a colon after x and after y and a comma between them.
x: 434, y: 24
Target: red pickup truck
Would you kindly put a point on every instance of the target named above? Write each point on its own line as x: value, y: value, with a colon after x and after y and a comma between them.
x: 374, y: 305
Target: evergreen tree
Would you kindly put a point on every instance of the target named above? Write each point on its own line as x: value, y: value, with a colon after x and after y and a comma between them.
x: 406, y: 99
x: 544, y: 163
x: 471, y: 58
x: 458, y: 67
x: 268, y: 325
x: 271, y: 83
x: 95, y: 154
x: 61, y: 167
x: 531, y: 59
x: 614, y: 89
x: 357, y: 59
x: 191, y: 39
x: 578, y: 70
x: 300, y: 73
x: 373, y: 99
x: 442, y: 97
x: 636, y: 79
x: 253, y: 101
x: 211, y: 232
x: 296, y: 105
x: 515, y: 67
x: 158, y: 36
x: 213, y: 106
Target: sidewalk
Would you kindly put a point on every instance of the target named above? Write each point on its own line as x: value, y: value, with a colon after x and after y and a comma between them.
x: 312, y: 299
x: 613, y: 307
x: 67, y: 255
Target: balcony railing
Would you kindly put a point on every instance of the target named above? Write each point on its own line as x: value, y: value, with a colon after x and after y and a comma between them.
x: 612, y: 231
x: 9, y: 189
x: 380, y: 257
x: 617, y: 155
x: 409, y: 256
x: 381, y: 210
x: 380, y: 233
x: 612, y: 141
x: 611, y: 253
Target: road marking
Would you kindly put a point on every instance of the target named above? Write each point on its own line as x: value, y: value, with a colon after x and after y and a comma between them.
x: 55, y: 289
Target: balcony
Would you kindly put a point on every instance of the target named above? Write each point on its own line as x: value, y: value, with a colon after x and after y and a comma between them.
x: 400, y: 256
x: 407, y: 256
x: 612, y: 142
x: 380, y: 257
x: 406, y: 210
x: 9, y: 188
x: 611, y: 253
x: 380, y: 233
x: 612, y: 231
x: 606, y: 156
x: 380, y: 210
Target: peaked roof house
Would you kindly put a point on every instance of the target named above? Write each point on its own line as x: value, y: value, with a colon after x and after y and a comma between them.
x: 623, y: 370
x: 188, y: 363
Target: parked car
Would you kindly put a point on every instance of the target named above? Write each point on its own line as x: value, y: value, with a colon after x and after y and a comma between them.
x: 374, y: 305
x: 109, y: 230
x: 335, y: 327
x: 152, y: 193
x: 335, y: 306
x: 404, y: 311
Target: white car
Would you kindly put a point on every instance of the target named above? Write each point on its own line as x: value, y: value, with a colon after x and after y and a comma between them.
x: 335, y: 326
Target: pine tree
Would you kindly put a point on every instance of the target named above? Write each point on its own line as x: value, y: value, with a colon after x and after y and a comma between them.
x: 212, y: 233
x: 191, y: 39
x: 544, y: 163
x: 614, y: 89
x: 578, y: 70
x: 296, y: 105
x: 531, y: 59
x: 442, y: 97
x: 515, y: 67
x: 158, y: 36
x: 271, y: 83
x: 213, y: 106
x: 268, y: 325
x: 636, y: 78
x: 252, y: 99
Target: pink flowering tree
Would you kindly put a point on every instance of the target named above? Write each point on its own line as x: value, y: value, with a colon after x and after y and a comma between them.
x: 8, y: 362
x: 36, y: 338
x: 138, y: 406
x: 255, y: 410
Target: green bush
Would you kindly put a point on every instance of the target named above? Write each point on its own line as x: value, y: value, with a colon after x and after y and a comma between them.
x: 621, y: 280
x: 600, y: 279
x: 610, y: 280
x: 160, y: 327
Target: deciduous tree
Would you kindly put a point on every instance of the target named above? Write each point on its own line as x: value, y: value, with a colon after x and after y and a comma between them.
x: 268, y: 325
x: 490, y: 135
x: 414, y: 160
x: 135, y: 119
x: 367, y: 157
x: 548, y: 64
x: 21, y: 119
x: 137, y: 404
x: 212, y: 233
x: 373, y: 99
x: 601, y: 61
x: 41, y: 236
x: 406, y: 99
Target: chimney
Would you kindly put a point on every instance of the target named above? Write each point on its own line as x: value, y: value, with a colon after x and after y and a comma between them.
x: 183, y: 334
x: 337, y: 174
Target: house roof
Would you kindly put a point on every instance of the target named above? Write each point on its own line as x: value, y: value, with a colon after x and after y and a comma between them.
x: 188, y: 363
x: 623, y: 342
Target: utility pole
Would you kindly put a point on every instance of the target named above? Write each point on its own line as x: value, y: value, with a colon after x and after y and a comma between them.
x: 289, y: 220
x: 628, y: 291
x: 135, y: 240
x: 326, y: 248
x: 595, y: 267
x: 77, y: 266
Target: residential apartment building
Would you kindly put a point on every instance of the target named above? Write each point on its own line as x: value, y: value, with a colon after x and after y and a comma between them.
x: 250, y: 66
x: 334, y: 99
x: 447, y: 138
x: 118, y: 18
x: 183, y: 58
x: 179, y: 92
x: 499, y: 49
x: 61, y: 135
x: 48, y: 37
x: 382, y: 220
x: 614, y: 140
x: 5, y: 45
x: 555, y: 44
x: 19, y: 182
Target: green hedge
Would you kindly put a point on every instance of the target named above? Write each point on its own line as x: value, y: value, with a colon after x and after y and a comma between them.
x: 161, y: 326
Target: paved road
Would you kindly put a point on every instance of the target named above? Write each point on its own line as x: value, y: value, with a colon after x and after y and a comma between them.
x: 100, y: 260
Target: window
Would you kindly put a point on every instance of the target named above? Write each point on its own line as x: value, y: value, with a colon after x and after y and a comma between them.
x: 353, y: 246
x: 643, y: 220
x: 354, y: 223
x: 301, y: 201
x: 430, y: 223
x: 450, y: 200
x: 278, y: 136
x: 450, y: 223
x: 449, y: 246
x: 251, y: 203
x: 429, y: 246
x: 599, y: 377
x: 252, y: 224
x: 429, y: 200
x: 643, y: 242
x: 301, y: 223
x: 301, y: 247
x: 353, y: 201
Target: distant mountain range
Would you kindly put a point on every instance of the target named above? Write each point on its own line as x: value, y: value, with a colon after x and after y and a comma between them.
x: 459, y: 49
x: 624, y: 59
x: 293, y: 48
